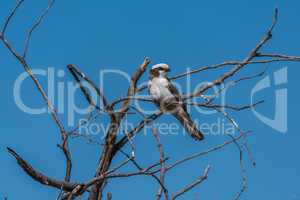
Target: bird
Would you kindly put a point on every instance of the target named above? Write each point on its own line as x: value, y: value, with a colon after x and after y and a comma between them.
x: 167, y: 98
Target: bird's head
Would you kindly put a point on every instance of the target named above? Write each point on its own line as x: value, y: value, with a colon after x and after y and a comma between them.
x: 160, y: 69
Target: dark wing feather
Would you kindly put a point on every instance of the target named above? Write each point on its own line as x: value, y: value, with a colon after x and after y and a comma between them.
x: 177, y: 95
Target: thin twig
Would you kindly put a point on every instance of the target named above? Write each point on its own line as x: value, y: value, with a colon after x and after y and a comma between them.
x: 236, y: 108
x: 202, y: 153
x: 35, y: 25
x: 64, y: 136
x: 75, y: 70
x: 162, y: 166
x: 10, y: 16
x: 137, y: 129
x: 238, y: 67
x: 193, y: 184
x: 109, y: 196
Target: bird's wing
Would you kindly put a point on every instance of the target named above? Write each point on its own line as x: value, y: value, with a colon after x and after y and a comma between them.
x: 177, y: 95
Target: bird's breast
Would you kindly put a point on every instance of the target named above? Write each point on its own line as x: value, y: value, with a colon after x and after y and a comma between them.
x: 158, y: 88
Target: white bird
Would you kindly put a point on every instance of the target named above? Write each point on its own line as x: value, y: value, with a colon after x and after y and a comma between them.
x: 166, y: 96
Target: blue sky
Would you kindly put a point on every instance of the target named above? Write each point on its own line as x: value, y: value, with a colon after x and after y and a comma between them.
x: 118, y: 35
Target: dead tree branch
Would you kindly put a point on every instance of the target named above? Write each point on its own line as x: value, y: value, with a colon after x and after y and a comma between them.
x: 193, y: 184
x: 162, y: 166
x: 38, y: 176
x: 76, y: 73
x: 110, y: 148
x: 253, y: 54
x: 113, y: 144
x: 64, y: 146
x: 36, y: 25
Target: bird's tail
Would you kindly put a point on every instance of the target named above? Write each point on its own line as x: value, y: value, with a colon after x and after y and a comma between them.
x: 184, y: 118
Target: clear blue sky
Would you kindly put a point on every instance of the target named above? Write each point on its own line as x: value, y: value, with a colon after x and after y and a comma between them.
x: 117, y: 35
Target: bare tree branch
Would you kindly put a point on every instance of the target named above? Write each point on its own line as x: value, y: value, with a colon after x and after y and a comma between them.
x: 162, y: 166
x: 133, y: 82
x: 64, y: 146
x: 193, y: 184
x: 199, y: 154
x: 137, y: 129
x: 109, y: 148
x: 113, y: 104
x: 76, y: 72
x: 286, y: 57
x: 35, y: 25
x: 238, y: 67
x: 45, y: 180
x: 113, y: 145
x: 236, y: 108
x: 9, y: 18
x: 109, y: 196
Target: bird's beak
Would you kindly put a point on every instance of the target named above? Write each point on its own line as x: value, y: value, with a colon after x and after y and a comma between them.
x: 168, y: 70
